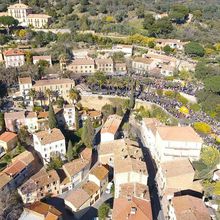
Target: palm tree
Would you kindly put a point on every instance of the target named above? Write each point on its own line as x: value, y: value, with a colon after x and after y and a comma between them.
x: 48, y: 94
x: 41, y: 97
x: 74, y: 95
x: 32, y: 93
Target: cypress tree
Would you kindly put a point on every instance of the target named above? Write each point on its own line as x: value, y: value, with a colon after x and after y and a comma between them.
x: 77, y: 119
x: 52, y: 117
x: 132, y: 97
x: 88, y: 133
x: 69, y: 152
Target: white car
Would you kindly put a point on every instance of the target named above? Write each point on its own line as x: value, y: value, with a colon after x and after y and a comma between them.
x: 109, y: 187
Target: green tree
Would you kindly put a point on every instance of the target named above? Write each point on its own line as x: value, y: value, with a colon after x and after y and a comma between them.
x: 107, y: 110
x: 32, y: 93
x: 76, y: 119
x: 103, y: 211
x: 88, y: 133
x: 2, y: 123
x: 132, y: 96
x: 100, y: 78
x: 213, y: 84
x: 52, y: 117
x: 179, y: 13
x: 119, y: 110
x: 69, y: 152
x: 168, y: 50
x: 210, y: 156
x: 23, y: 134
x: 55, y: 162
x: 74, y: 95
x: 194, y: 49
x: 149, y: 20
x: 8, y: 22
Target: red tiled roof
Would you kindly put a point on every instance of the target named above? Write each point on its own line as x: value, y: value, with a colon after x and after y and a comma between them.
x: 13, y: 52
x: 15, y: 168
x: 7, y: 136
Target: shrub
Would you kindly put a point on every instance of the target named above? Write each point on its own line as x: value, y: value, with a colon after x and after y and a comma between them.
x: 195, y: 107
x: 170, y: 93
x: 202, y: 127
x: 182, y: 99
x: 184, y: 110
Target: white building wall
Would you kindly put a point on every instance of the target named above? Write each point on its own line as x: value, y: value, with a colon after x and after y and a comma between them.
x: 14, y: 61
x: 105, y: 137
x: 94, y: 179
x: 46, y: 150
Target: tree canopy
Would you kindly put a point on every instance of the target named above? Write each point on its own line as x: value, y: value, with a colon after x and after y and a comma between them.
x: 52, y: 117
x: 194, y: 49
x: 88, y: 133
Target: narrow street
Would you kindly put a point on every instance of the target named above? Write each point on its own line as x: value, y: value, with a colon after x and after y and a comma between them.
x: 155, y: 201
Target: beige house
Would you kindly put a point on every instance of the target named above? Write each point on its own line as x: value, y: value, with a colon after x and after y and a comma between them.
x: 109, y: 131
x: 106, y: 151
x: 20, y: 169
x: 82, y: 66
x: 170, y: 142
x: 38, y: 20
x: 20, y: 12
x: 129, y: 166
x: 40, y: 210
x: 40, y: 185
x: 104, y: 65
x: 77, y: 169
x: 99, y: 175
x: 36, y: 59
x: 120, y: 67
x: 170, y: 180
x: 173, y: 43
x: 8, y: 141
x: 79, y: 200
x: 142, y: 65
x: 62, y: 86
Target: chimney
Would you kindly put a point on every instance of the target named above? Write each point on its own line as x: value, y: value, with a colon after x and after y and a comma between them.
x: 49, y: 131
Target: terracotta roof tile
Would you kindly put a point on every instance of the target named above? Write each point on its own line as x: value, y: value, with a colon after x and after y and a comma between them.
x: 50, y: 136
x: 48, y: 211
x: 25, y: 80
x: 143, y: 60
x: 134, y: 209
x: 77, y: 197
x: 104, y: 61
x: 189, y: 207
x: 14, y: 115
x: 183, y: 166
x: 75, y: 166
x: 112, y: 124
x: 38, y: 16
x: 15, y: 168
x: 13, y: 52
x: 4, y: 179
x: 46, y: 82
x: 90, y: 187
x: 176, y: 133
x: 100, y: 172
x: 83, y: 61
x: 7, y: 136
